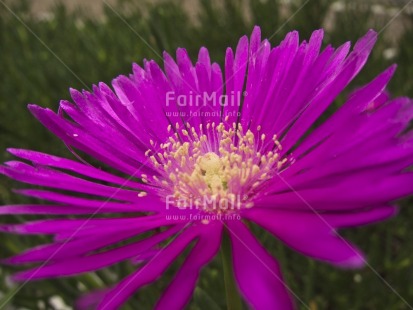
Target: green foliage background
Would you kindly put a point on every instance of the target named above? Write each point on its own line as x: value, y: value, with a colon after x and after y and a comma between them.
x: 41, y: 58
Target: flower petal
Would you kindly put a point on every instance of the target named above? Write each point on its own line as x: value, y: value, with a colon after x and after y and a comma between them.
x: 77, y: 265
x: 359, y: 191
x: 235, y: 68
x: 257, y: 273
x: 334, y: 85
x: 148, y: 272
x: 180, y: 290
x: 73, y: 243
x: 44, y: 176
x: 52, y: 210
x: 74, y: 166
x: 313, y: 234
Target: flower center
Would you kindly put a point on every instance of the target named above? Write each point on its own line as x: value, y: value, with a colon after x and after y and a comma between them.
x: 210, y: 168
x: 215, y: 165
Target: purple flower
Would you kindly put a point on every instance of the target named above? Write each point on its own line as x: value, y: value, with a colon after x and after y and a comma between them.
x: 189, y: 153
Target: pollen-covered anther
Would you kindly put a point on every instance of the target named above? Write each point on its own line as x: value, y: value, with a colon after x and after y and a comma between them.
x: 216, y: 162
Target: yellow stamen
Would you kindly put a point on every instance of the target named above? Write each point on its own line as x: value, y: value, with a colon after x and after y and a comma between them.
x: 218, y: 161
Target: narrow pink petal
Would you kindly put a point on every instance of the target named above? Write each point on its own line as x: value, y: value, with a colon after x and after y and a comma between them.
x: 310, y: 234
x: 257, y: 273
x: 359, y: 191
x: 52, y: 209
x: 77, y: 265
x: 79, y: 202
x: 74, y: 166
x: 88, y: 242
x: 48, y: 177
x: 77, y: 137
x: 180, y: 290
x: 148, y: 272
x: 320, y: 101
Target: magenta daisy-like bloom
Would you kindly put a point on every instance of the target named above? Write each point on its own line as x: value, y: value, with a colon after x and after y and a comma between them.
x: 194, y: 153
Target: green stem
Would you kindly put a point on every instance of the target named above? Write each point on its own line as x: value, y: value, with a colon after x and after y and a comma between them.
x: 233, y: 299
